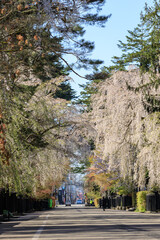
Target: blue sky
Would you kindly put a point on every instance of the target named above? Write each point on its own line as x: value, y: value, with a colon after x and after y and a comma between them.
x: 125, y: 16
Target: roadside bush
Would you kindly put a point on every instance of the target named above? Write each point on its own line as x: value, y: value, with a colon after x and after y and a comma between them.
x: 141, y: 201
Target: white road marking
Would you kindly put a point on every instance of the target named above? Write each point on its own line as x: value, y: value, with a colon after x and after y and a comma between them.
x: 91, y: 237
x: 39, y: 231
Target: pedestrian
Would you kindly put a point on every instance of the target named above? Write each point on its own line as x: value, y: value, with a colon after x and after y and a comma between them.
x: 91, y: 202
x: 104, y: 203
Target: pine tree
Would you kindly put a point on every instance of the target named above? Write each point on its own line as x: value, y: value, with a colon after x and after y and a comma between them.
x: 91, y: 87
x: 142, y: 45
x: 65, y: 91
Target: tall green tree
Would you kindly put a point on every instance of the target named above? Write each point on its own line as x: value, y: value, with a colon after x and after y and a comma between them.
x: 142, y: 46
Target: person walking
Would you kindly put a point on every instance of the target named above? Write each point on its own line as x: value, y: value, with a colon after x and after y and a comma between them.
x: 104, y: 203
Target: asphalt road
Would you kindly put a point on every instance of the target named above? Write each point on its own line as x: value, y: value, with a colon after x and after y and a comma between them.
x: 80, y: 223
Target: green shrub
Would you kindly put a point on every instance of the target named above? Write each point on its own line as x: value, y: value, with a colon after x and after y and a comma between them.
x: 141, y: 201
x: 134, y: 199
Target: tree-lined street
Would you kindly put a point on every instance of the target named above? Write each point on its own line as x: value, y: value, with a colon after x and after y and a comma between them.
x: 101, y: 148
x: 77, y: 222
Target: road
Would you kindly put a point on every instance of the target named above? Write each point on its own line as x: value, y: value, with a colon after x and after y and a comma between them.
x: 80, y: 223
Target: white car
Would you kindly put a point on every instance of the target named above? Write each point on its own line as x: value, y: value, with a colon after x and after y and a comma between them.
x: 68, y: 203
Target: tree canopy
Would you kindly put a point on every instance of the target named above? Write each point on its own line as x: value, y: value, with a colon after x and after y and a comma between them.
x: 125, y: 109
x: 37, y: 121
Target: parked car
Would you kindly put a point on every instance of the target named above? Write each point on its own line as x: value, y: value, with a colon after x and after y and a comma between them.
x: 68, y: 203
x: 79, y: 201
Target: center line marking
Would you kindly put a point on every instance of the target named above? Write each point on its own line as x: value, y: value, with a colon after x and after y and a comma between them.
x: 39, y: 231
